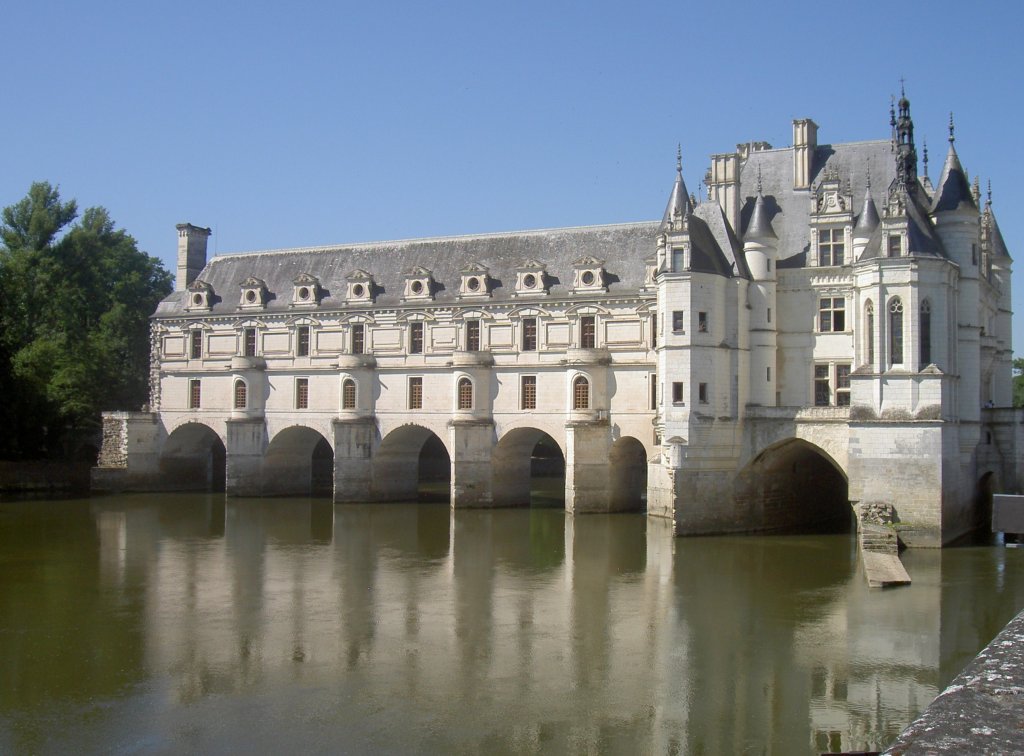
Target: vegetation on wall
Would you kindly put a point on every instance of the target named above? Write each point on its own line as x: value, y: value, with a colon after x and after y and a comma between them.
x: 1018, y: 382
x: 75, y: 299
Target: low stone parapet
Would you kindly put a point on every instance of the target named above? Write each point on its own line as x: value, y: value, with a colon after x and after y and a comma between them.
x: 982, y: 710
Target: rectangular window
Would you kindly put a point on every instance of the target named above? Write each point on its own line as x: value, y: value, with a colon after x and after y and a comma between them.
x: 831, y: 250
x: 358, y: 338
x: 678, y: 321
x: 197, y: 344
x: 769, y: 314
x: 654, y: 329
x: 195, y: 395
x: 654, y: 391
x: 678, y: 397
x: 702, y: 322
x: 472, y: 335
x: 768, y: 374
x: 249, y: 345
x: 348, y: 394
x: 702, y: 393
x: 842, y: 385
x: 416, y: 393
x: 528, y: 392
x: 415, y: 338
x: 894, y: 245
x: 678, y: 260
x: 822, y: 390
x: 529, y: 334
x: 588, y: 332
x: 302, y: 393
x: 832, y: 314
x: 302, y: 341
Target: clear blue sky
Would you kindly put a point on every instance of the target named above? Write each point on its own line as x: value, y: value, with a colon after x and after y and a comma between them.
x: 315, y: 123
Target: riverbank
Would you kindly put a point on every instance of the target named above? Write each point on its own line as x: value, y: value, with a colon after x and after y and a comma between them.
x: 43, y: 478
x: 982, y: 710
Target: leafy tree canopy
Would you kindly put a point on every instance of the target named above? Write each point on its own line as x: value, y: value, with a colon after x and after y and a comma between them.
x: 1018, y: 382
x: 75, y: 301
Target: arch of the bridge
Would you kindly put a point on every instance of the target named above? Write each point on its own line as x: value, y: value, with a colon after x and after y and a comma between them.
x: 412, y: 462
x: 193, y: 458
x: 528, y: 466
x: 299, y: 461
x: 628, y: 475
x: 794, y: 486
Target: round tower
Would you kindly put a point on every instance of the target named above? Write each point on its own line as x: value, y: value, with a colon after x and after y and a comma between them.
x: 760, y: 247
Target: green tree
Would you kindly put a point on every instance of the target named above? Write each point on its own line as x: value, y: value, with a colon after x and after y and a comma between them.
x: 75, y: 300
x: 1018, y: 382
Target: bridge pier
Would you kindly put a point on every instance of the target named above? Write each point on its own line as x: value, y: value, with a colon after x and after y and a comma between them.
x: 472, y: 444
x: 587, y: 474
x: 353, y: 463
x: 246, y: 447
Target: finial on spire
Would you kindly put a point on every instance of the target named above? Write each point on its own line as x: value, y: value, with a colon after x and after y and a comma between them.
x: 988, y: 200
x: 903, y: 91
x: 952, y: 136
x: 679, y: 157
x: 976, y: 189
x: 926, y: 158
x: 869, y: 180
x: 758, y: 178
x: 892, y: 110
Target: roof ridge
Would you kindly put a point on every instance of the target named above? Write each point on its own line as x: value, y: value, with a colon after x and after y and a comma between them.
x: 414, y: 240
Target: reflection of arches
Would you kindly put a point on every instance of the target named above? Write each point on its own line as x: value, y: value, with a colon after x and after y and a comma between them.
x: 299, y: 462
x: 528, y: 468
x: 793, y: 486
x: 412, y: 463
x: 628, y: 475
x: 194, y: 459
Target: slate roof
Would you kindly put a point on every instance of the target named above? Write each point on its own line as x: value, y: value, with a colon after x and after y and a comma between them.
x: 789, y: 209
x: 623, y: 247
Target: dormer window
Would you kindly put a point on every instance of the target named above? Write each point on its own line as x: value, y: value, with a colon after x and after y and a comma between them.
x: 307, y: 290
x: 531, y: 279
x: 200, y: 296
x: 419, y: 284
x: 475, y: 282
x: 589, y: 275
x: 894, y: 246
x: 361, y: 287
x: 254, y: 294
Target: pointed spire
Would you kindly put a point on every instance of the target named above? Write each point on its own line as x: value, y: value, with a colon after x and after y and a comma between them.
x: 953, y: 190
x: 976, y: 190
x: 760, y: 226
x: 867, y: 221
x: 679, y: 205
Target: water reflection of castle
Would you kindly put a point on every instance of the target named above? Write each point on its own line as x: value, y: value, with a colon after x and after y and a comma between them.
x: 539, y: 628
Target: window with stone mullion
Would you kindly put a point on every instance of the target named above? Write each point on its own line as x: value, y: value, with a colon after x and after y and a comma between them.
x: 831, y: 247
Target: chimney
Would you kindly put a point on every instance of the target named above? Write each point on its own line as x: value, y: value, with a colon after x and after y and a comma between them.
x: 724, y: 186
x: 191, y: 254
x: 805, y: 141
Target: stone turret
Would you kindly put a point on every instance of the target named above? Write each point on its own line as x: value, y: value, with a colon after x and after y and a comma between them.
x: 191, y: 254
x: 760, y: 245
x: 866, y: 224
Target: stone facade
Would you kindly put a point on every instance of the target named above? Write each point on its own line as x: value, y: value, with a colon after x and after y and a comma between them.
x: 828, y: 327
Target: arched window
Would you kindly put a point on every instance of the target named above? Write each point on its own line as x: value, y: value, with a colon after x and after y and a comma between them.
x: 896, y: 331
x: 926, y: 333
x: 348, y: 394
x: 465, y: 394
x: 869, y: 332
x: 580, y: 393
x: 241, y: 394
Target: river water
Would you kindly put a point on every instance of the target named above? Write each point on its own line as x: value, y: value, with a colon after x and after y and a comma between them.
x: 174, y: 623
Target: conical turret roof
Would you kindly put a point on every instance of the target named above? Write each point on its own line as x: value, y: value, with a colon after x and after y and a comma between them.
x: 868, y: 219
x: 953, y: 192
x: 760, y: 226
x: 679, y: 205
